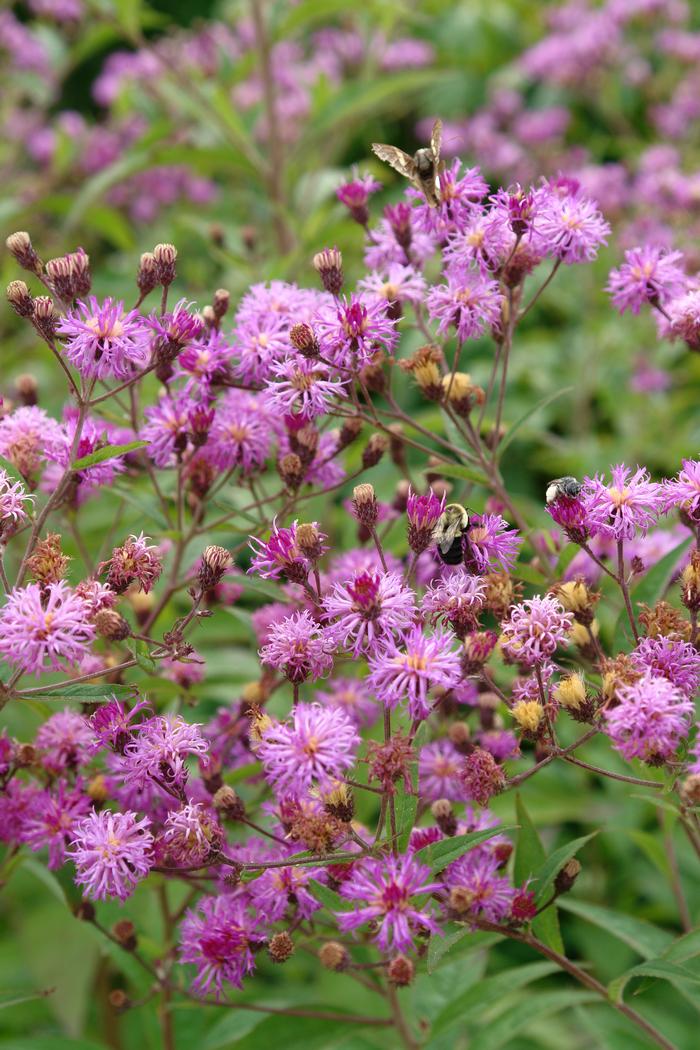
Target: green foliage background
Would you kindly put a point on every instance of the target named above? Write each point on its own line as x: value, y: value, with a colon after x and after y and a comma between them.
x: 622, y: 912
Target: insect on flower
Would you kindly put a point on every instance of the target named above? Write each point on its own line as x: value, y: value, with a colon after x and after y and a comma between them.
x: 567, y: 487
x: 423, y: 168
x: 449, y: 532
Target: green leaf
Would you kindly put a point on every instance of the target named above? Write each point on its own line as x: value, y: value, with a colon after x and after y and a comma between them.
x: 648, y: 591
x: 297, y: 1033
x: 518, y: 1016
x: 472, y: 1003
x: 230, y: 1029
x: 529, y: 858
x: 332, y: 900
x: 513, y: 430
x: 662, y: 968
x: 686, y: 947
x: 105, y: 453
x: 140, y: 650
x: 85, y: 692
x: 439, y: 854
x: 653, y: 848
x: 11, y: 470
x: 547, y: 873
x: 458, y: 934
x: 647, y: 940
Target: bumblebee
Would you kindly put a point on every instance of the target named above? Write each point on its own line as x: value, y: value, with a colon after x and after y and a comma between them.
x: 448, y: 534
x: 568, y: 487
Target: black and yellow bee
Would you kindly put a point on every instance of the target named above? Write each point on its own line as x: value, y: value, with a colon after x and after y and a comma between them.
x: 448, y: 534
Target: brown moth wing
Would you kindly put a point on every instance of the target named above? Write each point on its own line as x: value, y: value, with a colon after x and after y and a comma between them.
x: 395, y: 157
x: 436, y: 140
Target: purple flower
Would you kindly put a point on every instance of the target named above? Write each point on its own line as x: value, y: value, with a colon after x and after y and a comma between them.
x: 175, y: 330
x: 93, y: 437
x: 677, y: 661
x: 190, y: 835
x: 302, y: 386
x: 396, y: 284
x: 633, y: 502
x: 469, y: 301
x: 650, y: 720
x: 218, y: 936
x: 383, y: 889
x: 103, y: 340
x: 111, y: 725
x: 650, y: 274
x: 581, y: 517
x: 477, y: 889
x: 111, y: 853
x: 355, y: 195
x: 572, y: 228
x: 206, y: 361
x: 455, y: 599
x: 44, y: 629
x: 279, y: 888
x: 280, y: 555
x: 351, y: 333
x: 241, y: 435
x: 24, y: 436
x: 65, y: 740
x: 317, y: 746
x: 410, y: 668
x: 439, y: 766
x: 534, y: 630
x: 685, y: 318
x: 398, y: 240
x: 52, y: 819
x: 459, y: 199
x: 684, y: 491
x: 423, y: 513
x: 351, y: 695
x: 166, y: 428
x: 13, y: 497
x: 481, y: 775
x: 158, y: 751
x: 492, y: 544
x: 368, y: 608
x: 299, y: 648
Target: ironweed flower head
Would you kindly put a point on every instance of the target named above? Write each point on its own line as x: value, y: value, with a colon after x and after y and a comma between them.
x: 534, y: 630
x: 317, y: 746
x: 651, y: 718
x: 45, y: 628
x: 112, y: 852
x: 103, y: 340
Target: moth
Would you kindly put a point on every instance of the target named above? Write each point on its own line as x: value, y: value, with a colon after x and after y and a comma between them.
x: 423, y: 168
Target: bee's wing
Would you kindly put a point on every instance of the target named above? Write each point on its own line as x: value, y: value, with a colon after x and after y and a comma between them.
x: 436, y: 140
x: 398, y: 160
x: 447, y: 535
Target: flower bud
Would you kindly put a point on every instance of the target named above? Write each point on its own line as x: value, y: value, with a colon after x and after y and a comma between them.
x: 529, y: 714
x: 70, y: 275
x: 281, y: 946
x: 329, y: 266
x: 461, y: 394
x: 97, y: 789
x: 567, y: 876
x: 690, y: 583
x: 303, y: 339
x: 690, y: 790
x: 349, y: 431
x: 119, y: 1000
x: 476, y: 649
x: 400, y: 972
x: 125, y: 932
x: 45, y: 315
x: 364, y: 503
x: 291, y: 470
x: 111, y: 625
x: 425, y: 367
x: 333, y: 956
x: 444, y: 816
x: 253, y: 694
x: 147, y: 275
x: 215, y: 563
x: 229, y: 803
x: 374, y: 450
x: 221, y: 303
x: 372, y: 375
x: 459, y: 734
x: 576, y: 598
x: 20, y: 246
x: 85, y: 911
x: 165, y: 256
x: 27, y: 389
x: 48, y: 564
x: 309, y: 541
x: 19, y: 298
